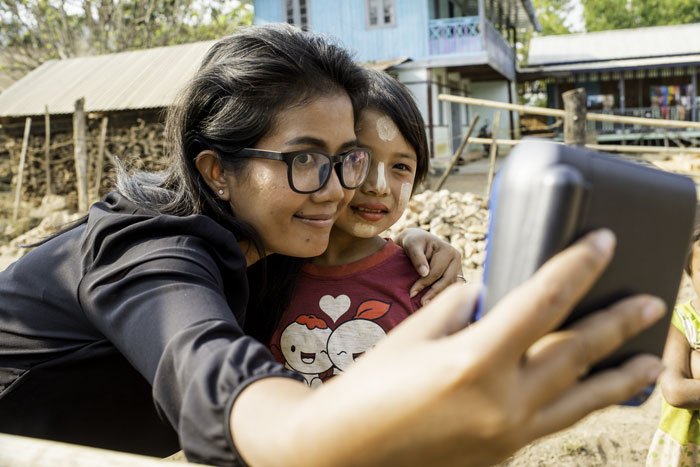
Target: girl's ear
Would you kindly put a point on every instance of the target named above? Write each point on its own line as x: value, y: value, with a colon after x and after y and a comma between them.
x: 210, y: 168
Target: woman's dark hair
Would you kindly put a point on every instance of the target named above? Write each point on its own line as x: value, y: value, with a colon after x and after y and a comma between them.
x: 392, y: 98
x: 243, y: 83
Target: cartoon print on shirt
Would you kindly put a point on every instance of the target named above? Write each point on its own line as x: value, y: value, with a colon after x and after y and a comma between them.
x: 303, y: 345
x: 353, y: 338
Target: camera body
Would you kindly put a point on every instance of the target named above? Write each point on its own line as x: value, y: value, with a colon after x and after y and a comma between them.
x: 548, y: 195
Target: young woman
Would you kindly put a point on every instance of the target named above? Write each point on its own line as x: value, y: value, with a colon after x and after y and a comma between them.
x: 143, y: 305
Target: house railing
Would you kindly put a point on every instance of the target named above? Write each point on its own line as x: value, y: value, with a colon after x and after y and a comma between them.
x: 451, y: 36
x: 455, y: 35
x: 674, y: 112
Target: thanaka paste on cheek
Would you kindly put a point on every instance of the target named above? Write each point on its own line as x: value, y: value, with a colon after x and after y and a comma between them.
x: 381, y: 178
x: 405, y: 195
x: 362, y: 230
x: 386, y: 129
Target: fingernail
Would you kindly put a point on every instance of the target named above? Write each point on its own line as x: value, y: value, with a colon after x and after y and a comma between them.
x: 413, y: 293
x: 423, y: 270
x: 603, y: 240
x: 653, y: 310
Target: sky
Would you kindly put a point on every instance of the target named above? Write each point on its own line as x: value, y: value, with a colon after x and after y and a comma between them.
x: 575, y: 19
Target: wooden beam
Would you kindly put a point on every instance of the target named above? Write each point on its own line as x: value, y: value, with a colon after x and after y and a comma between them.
x: 533, y: 110
x: 19, y: 451
x: 80, y: 153
x: 458, y: 153
x: 99, y: 163
x: 47, y: 148
x: 493, y: 152
x: 20, y: 170
x: 575, y: 117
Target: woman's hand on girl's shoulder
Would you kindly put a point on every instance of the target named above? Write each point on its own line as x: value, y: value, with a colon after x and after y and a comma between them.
x: 438, y: 263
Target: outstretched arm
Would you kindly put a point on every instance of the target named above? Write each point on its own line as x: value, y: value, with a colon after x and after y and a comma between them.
x: 435, y: 392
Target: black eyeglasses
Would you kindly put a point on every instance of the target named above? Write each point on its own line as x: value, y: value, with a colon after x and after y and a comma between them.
x: 309, y: 171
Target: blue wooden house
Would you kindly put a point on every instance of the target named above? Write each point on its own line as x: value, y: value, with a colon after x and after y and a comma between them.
x: 463, y: 47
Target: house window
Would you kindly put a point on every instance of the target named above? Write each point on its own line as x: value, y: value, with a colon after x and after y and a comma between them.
x: 380, y: 13
x: 297, y: 12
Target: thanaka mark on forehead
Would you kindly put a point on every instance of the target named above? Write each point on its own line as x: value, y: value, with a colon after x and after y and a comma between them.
x: 386, y: 129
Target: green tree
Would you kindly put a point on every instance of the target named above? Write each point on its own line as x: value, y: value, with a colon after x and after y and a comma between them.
x: 552, y: 15
x: 33, y: 31
x: 602, y: 15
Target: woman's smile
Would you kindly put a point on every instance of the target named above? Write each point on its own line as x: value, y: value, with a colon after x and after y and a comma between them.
x: 321, y: 221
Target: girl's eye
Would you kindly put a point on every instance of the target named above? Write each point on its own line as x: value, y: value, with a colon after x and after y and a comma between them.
x: 403, y: 167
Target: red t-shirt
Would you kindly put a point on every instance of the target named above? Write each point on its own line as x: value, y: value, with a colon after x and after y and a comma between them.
x: 339, y: 312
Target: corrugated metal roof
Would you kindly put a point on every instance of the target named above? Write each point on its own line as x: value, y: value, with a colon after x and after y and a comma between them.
x: 621, y: 44
x: 137, y: 79
x: 635, y: 63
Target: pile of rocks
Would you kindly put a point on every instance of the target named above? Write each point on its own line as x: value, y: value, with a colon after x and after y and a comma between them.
x: 459, y: 218
x: 54, y: 216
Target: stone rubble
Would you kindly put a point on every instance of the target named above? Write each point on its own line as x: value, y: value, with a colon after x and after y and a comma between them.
x: 461, y: 219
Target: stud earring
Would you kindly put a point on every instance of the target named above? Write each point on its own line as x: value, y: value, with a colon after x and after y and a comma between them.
x: 221, y: 192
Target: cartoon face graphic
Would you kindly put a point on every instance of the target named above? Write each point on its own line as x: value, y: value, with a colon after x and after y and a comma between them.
x: 303, y: 344
x: 352, y: 339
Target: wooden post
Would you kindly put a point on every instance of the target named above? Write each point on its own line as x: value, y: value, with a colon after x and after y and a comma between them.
x: 458, y: 153
x: 493, y: 152
x: 20, y: 171
x: 100, y: 157
x: 80, y: 153
x: 47, y: 148
x: 431, y: 132
x: 19, y: 451
x: 575, y: 116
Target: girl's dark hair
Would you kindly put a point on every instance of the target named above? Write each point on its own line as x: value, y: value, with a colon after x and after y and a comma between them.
x: 243, y: 83
x: 392, y: 98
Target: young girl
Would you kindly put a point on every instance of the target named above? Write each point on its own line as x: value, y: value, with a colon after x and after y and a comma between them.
x: 677, y: 439
x: 348, y: 298
x: 127, y: 331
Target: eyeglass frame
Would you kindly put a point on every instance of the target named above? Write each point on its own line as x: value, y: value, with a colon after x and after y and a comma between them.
x: 288, y: 158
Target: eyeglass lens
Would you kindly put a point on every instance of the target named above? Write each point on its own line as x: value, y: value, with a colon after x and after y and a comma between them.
x: 310, y: 171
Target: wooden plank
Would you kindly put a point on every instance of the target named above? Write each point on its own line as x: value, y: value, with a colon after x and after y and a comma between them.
x: 80, y: 153
x: 493, y: 152
x: 47, y: 148
x: 19, y: 451
x: 458, y: 153
x: 20, y: 170
x: 533, y: 110
x: 99, y: 163
x: 575, y: 117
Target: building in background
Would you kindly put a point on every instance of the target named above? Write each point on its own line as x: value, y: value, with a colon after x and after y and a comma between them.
x: 462, y: 47
x: 643, y: 72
